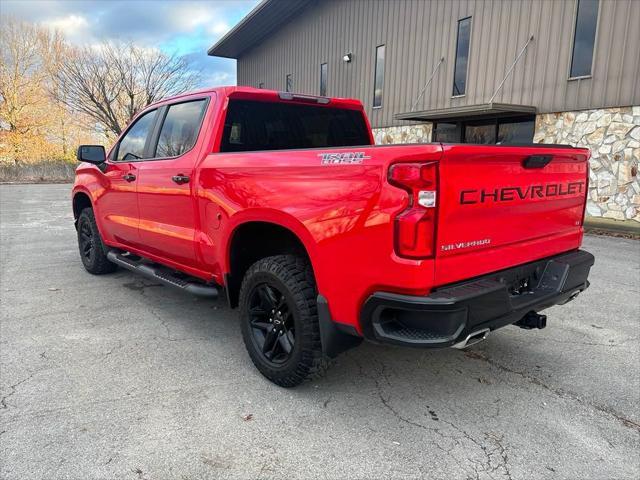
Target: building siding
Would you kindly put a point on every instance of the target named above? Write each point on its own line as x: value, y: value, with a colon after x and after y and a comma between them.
x: 417, y: 33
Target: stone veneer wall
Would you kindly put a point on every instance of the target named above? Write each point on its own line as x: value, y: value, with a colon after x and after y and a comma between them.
x: 613, y: 136
x: 420, y: 133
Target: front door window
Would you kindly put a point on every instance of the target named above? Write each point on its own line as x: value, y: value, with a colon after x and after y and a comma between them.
x: 132, y: 145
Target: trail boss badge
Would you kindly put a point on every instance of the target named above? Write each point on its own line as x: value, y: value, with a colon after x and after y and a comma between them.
x: 344, y: 158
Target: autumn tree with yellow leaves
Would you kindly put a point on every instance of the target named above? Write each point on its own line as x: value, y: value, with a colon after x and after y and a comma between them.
x: 54, y: 96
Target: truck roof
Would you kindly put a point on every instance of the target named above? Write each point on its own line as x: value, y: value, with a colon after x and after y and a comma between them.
x: 261, y: 94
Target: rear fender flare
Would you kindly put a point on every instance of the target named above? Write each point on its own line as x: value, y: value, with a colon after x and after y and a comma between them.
x: 266, y: 215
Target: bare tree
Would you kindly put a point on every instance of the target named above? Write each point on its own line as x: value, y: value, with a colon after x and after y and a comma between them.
x: 110, y: 83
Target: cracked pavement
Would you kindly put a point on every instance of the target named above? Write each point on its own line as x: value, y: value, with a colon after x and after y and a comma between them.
x: 117, y: 377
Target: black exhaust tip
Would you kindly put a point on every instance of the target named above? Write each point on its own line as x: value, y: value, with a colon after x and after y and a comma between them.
x: 532, y: 320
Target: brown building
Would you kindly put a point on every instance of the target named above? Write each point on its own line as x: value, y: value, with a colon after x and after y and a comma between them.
x: 483, y: 71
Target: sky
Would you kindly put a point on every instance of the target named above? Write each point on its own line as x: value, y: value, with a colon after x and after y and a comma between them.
x: 185, y: 27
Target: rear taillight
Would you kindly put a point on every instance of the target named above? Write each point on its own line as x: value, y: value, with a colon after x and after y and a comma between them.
x: 415, y: 226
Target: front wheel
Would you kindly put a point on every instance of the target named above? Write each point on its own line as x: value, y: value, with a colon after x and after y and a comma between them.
x: 93, y: 252
x: 279, y: 319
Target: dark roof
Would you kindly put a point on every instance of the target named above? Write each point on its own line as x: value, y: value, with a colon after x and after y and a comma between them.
x: 467, y: 111
x: 267, y: 16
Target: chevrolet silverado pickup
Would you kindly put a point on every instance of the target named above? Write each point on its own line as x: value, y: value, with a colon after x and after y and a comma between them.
x: 322, y: 239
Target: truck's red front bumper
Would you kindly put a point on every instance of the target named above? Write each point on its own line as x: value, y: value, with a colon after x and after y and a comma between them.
x: 453, y: 313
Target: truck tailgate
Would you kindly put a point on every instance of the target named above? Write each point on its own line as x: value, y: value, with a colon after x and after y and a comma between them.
x: 502, y: 206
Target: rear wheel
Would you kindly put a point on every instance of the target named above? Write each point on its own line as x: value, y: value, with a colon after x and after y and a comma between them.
x: 279, y: 319
x: 92, y: 251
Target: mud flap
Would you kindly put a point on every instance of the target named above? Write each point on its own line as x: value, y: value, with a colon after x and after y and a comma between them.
x: 335, y: 338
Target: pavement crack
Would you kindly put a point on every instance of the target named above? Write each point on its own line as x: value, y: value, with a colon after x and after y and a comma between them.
x: 502, y: 451
x: 3, y: 400
x: 164, y: 323
x: 385, y: 401
x: 559, y: 392
x: 490, y: 464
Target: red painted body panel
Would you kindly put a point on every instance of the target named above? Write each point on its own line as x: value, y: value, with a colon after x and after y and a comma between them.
x: 519, y: 230
x: 342, y: 213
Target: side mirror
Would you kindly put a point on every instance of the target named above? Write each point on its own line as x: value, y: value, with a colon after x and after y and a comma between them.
x: 91, y: 154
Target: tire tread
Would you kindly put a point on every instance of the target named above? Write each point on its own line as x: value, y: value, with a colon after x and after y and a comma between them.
x: 101, y: 264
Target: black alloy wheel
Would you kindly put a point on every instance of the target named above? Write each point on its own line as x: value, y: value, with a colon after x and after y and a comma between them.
x: 279, y: 319
x: 272, y: 324
x: 86, y: 240
x: 93, y: 252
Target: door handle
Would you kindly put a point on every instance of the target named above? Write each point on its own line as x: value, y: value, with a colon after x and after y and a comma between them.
x: 180, y: 179
x: 129, y: 177
x: 536, y: 161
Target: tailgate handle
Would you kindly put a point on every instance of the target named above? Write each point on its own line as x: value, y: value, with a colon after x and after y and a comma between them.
x: 536, y: 161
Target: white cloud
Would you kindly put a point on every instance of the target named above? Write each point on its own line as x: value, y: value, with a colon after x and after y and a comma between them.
x: 183, y: 27
x: 219, y: 28
x: 221, y: 78
x: 187, y: 19
x: 71, y: 25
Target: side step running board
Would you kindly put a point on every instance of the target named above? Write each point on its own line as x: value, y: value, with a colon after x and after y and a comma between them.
x: 162, y: 275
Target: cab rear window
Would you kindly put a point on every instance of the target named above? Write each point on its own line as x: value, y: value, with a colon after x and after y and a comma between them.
x: 251, y: 126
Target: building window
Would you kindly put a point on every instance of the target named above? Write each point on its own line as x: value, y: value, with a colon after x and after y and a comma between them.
x: 482, y: 132
x: 516, y: 130
x: 323, y: 80
x: 584, y: 38
x: 509, y: 130
x: 446, y: 132
x: 289, y: 85
x: 462, y: 57
x: 378, y: 79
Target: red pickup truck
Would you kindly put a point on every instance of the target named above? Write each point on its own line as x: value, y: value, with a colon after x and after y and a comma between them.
x: 321, y: 238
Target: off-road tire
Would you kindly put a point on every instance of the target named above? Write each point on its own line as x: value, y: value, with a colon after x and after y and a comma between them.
x: 293, y: 277
x: 96, y: 261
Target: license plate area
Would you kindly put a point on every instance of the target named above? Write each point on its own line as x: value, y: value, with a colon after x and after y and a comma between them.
x: 523, y: 286
x: 522, y: 281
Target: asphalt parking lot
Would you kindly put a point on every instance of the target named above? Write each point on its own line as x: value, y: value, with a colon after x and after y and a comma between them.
x: 116, y: 377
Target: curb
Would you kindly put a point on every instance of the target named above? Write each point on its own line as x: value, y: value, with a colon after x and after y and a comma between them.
x: 614, y: 228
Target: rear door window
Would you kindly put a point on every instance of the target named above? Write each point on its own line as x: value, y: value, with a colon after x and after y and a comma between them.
x: 133, y: 143
x: 180, y: 128
x: 251, y: 125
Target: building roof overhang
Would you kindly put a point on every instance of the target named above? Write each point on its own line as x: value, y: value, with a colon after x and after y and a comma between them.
x: 467, y: 112
x: 266, y: 17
